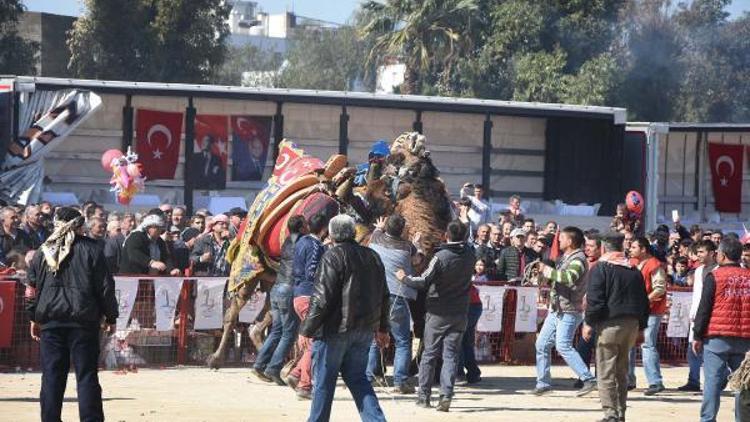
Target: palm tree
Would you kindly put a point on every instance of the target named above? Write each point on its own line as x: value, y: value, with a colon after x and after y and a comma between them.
x: 423, y: 33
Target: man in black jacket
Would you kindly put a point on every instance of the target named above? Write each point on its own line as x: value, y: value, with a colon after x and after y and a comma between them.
x: 75, y: 294
x: 617, y: 308
x: 144, y: 251
x: 348, y: 307
x: 447, y: 280
x: 280, y: 340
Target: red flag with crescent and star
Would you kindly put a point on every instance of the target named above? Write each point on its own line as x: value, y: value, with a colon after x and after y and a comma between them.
x: 726, y: 174
x: 158, y: 136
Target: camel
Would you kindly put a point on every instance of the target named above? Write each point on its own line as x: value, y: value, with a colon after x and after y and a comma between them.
x: 409, y: 177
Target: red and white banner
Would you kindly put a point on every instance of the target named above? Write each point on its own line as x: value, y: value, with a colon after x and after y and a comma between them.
x: 7, y: 311
x: 209, y: 304
x: 491, y: 320
x: 158, y: 135
x: 726, y: 174
x: 166, y: 295
x: 126, y: 290
x: 253, y: 307
x: 526, y: 309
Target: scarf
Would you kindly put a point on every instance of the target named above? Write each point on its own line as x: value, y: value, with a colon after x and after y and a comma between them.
x: 616, y: 258
x: 150, y: 220
x: 59, y: 245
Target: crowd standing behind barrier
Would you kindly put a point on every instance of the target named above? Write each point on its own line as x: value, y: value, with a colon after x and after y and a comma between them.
x: 140, y: 344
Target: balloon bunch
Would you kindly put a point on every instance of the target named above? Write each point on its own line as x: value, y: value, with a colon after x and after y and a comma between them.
x: 127, y: 179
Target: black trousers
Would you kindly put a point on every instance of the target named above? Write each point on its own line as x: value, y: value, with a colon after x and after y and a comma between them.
x: 58, y: 347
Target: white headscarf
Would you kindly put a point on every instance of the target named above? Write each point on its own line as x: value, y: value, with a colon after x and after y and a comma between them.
x: 58, y: 246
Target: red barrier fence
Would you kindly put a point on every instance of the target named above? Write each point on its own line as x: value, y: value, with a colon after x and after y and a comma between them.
x: 141, y: 345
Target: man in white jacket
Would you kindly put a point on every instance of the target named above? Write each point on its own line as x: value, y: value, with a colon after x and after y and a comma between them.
x: 706, y: 251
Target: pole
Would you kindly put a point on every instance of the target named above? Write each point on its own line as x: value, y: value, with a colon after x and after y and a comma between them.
x: 189, y: 150
x: 127, y: 123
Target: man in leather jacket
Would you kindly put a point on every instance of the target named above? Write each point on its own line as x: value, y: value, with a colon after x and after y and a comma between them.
x: 75, y: 294
x: 348, y: 307
x: 447, y: 280
x: 285, y: 322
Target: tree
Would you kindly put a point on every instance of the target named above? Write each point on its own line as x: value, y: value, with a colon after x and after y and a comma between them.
x: 17, y: 56
x: 154, y: 40
x: 424, y: 34
x: 325, y: 59
x: 248, y: 58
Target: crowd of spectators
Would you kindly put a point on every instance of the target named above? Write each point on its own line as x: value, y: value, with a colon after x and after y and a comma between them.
x: 162, y: 241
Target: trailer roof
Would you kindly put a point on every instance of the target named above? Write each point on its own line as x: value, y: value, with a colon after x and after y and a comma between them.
x: 343, y: 98
x: 693, y: 127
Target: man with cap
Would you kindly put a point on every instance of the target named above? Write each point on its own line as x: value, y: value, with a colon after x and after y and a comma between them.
x: 236, y: 215
x: 210, y: 250
x: 75, y: 294
x: 512, y: 260
x: 144, y: 251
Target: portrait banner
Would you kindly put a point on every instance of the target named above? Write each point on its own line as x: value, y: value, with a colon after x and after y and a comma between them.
x: 208, y: 165
x: 492, y: 298
x: 166, y: 295
x: 251, y: 137
x: 209, y: 304
x: 126, y: 289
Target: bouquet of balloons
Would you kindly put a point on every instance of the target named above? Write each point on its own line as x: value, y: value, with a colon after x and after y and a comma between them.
x: 127, y: 179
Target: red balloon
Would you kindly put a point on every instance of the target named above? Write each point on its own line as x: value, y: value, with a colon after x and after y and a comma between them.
x: 634, y: 201
x: 107, y: 158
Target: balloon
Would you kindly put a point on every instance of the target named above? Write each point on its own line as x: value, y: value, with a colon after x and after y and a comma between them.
x: 107, y: 158
x: 126, y: 180
x: 123, y: 200
x: 634, y: 202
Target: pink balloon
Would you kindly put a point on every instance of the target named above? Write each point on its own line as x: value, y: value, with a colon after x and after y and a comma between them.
x: 107, y: 158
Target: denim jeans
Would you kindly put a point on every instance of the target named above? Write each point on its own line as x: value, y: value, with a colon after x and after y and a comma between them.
x: 60, y: 346
x: 400, y: 319
x: 649, y: 353
x: 280, y: 340
x: 694, y: 362
x: 347, y: 353
x: 718, y: 352
x: 558, y: 330
x: 586, y: 348
x: 467, y: 358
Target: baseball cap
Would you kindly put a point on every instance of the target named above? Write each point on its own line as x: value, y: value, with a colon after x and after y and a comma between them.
x: 517, y: 232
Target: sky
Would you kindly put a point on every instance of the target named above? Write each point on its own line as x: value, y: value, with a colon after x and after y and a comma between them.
x: 328, y: 10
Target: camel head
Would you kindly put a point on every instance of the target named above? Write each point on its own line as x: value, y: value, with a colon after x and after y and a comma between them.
x: 407, y: 149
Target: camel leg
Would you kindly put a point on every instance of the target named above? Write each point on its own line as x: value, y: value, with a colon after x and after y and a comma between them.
x: 256, y: 333
x: 230, y: 320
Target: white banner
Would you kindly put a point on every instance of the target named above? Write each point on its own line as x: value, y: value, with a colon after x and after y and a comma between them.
x: 126, y: 288
x: 166, y: 294
x: 253, y: 307
x: 491, y: 320
x: 209, y: 304
x: 679, y: 314
x: 526, y: 309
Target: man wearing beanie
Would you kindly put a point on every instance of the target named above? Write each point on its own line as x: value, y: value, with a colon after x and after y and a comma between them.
x: 75, y: 295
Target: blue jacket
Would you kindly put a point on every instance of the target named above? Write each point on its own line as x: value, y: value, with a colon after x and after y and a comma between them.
x: 307, y: 253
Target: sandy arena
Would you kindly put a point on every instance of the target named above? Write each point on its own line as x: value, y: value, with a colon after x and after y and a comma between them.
x: 197, y: 394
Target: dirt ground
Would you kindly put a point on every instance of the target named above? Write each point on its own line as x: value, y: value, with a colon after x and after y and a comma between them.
x: 197, y: 394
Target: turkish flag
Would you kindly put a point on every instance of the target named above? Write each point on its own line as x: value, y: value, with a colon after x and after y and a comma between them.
x: 726, y: 175
x: 158, y: 136
x: 7, y: 310
x: 288, y: 153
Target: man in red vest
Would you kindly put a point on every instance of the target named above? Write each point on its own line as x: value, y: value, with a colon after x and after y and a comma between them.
x: 656, y: 288
x: 722, y: 324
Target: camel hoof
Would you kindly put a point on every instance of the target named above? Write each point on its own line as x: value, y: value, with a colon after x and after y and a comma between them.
x: 214, y: 362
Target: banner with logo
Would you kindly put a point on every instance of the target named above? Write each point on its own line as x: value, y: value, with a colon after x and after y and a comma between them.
x: 7, y: 312
x: 679, y: 314
x: 209, y: 161
x: 526, y: 309
x: 158, y: 135
x: 492, y: 298
x: 251, y: 137
x: 45, y: 119
x: 126, y: 289
x: 726, y: 176
x: 166, y: 295
x: 253, y: 307
x: 209, y: 304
